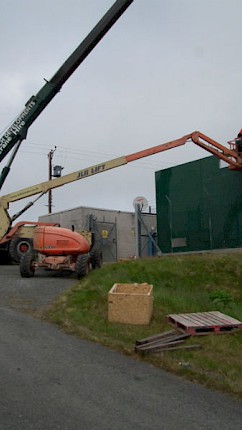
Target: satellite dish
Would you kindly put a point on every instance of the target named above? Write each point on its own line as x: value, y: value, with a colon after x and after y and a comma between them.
x: 142, y: 202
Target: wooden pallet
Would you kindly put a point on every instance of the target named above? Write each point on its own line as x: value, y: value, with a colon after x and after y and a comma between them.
x: 202, y: 323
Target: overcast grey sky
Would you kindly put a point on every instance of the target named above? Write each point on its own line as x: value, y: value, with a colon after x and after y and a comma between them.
x: 166, y: 68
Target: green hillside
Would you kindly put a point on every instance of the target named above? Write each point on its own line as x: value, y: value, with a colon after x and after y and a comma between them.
x: 181, y: 284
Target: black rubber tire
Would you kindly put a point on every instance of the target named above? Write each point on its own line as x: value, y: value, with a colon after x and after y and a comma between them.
x: 18, y: 247
x: 26, y: 265
x: 96, y: 258
x: 82, y: 265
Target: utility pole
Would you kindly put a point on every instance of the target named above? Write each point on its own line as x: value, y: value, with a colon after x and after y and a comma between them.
x: 137, y: 230
x: 50, y: 157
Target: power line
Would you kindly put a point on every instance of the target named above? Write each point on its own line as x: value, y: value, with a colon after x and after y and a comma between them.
x: 98, y: 156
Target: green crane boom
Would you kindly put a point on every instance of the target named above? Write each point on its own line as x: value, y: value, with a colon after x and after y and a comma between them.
x: 17, y: 132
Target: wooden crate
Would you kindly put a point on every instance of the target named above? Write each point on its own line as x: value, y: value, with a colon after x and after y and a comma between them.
x: 130, y: 303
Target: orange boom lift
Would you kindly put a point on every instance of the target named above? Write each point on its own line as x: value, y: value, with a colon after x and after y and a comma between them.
x: 64, y: 249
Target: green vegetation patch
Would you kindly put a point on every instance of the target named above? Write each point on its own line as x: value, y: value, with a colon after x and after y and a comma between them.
x: 181, y: 284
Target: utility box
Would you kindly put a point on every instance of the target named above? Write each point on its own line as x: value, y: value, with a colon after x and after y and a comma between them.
x: 130, y: 303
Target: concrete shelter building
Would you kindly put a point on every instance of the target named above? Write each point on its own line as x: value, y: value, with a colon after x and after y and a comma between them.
x: 114, y: 230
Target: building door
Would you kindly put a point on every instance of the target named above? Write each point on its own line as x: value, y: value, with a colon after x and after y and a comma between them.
x: 106, y: 238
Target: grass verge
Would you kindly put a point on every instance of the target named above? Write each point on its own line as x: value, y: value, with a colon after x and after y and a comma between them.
x: 181, y: 284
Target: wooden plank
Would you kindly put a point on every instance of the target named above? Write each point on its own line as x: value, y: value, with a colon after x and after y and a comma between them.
x: 168, y: 347
x: 195, y: 346
x: 159, y: 336
x: 157, y: 346
x: 165, y: 341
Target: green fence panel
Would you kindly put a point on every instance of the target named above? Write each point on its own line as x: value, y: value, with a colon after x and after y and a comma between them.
x: 199, y: 207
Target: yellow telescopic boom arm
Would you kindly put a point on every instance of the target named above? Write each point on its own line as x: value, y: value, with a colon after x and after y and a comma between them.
x: 231, y: 156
